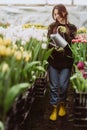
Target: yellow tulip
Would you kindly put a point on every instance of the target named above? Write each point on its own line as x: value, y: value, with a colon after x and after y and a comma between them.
x: 26, y: 56
x: 18, y: 55
x: 2, y: 50
x: 21, y: 48
x: 15, y: 47
x: 1, y: 41
x: 8, y: 51
x: 7, y: 42
x: 5, y: 67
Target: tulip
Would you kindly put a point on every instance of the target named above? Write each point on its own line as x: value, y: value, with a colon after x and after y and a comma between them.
x: 80, y: 65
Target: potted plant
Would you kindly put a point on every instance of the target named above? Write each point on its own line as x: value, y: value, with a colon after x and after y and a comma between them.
x: 79, y: 84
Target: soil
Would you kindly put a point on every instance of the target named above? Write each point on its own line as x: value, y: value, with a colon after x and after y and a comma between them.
x: 33, y: 114
x: 41, y: 109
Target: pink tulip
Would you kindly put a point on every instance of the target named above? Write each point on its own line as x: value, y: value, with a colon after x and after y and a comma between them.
x: 85, y: 75
x: 80, y: 65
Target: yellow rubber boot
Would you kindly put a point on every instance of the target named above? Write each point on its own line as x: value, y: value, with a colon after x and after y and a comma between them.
x: 53, y: 116
x: 62, y: 110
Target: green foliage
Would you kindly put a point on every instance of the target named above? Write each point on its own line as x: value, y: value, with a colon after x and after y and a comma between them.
x: 12, y: 93
x: 17, y: 75
x: 79, y: 51
x: 79, y: 83
x: 1, y: 126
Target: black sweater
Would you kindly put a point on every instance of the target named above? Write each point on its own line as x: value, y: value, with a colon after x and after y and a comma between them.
x: 60, y: 60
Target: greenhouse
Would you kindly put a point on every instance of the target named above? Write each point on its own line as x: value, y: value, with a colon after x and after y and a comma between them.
x: 43, y: 64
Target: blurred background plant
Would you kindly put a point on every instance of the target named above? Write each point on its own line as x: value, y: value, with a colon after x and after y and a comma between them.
x: 79, y: 79
x: 79, y: 47
x: 20, y: 65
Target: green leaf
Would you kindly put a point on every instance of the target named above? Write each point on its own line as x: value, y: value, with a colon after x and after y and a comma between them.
x: 36, y: 51
x: 31, y: 64
x: 40, y: 68
x: 12, y: 93
x: 1, y: 126
x: 47, y: 54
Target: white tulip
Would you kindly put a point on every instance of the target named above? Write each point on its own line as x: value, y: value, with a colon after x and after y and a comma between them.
x: 44, y: 45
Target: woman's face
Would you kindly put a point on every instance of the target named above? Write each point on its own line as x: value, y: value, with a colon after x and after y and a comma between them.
x: 57, y: 16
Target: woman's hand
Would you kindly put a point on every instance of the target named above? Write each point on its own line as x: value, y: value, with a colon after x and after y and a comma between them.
x: 60, y: 50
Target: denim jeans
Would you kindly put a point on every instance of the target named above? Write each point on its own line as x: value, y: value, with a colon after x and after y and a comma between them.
x: 59, y: 82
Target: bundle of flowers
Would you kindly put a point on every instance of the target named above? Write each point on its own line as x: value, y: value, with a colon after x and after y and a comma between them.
x: 82, y: 30
x: 24, y: 32
x: 82, y: 68
x: 79, y: 78
x: 79, y: 51
x: 79, y: 45
x: 4, y: 25
x: 81, y: 36
x: 79, y: 48
x: 20, y: 65
x: 38, y: 26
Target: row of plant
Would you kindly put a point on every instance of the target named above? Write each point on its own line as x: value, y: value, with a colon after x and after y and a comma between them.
x: 79, y: 48
x: 20, y: 65
x: 23, y: 58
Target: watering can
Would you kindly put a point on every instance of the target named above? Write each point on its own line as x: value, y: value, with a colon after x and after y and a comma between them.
x: 59, y: 40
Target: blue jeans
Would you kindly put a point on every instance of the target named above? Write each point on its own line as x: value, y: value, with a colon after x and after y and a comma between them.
x: 59, y: 82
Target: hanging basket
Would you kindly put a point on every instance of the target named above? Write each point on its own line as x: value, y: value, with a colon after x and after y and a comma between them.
x: 80, y: 109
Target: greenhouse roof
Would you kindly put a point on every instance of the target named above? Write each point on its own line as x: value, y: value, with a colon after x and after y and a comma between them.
x: 44, y: 2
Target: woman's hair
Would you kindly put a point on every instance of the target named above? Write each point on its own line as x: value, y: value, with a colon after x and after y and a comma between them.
x: 61, y: 9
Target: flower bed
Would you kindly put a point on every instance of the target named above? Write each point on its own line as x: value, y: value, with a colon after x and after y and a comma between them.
x: 79, y: 48
x: 79, y: 78
x: 21, y: 62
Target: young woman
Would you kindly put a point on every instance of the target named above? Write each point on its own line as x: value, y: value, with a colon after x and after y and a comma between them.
x: 60, y: 61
